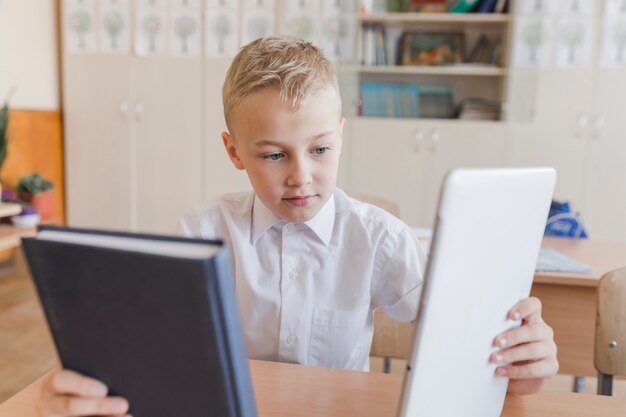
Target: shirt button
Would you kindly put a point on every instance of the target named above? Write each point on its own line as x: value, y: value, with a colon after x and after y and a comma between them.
x: 291, y: 339
x: 292, y: 273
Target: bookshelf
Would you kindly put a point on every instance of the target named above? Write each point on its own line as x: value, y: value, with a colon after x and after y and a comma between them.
x: 476, y: 69
x: 456, y: 18
x: 461, y: 71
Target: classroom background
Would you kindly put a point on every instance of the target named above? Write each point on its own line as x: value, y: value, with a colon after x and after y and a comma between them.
x: 113, y: 115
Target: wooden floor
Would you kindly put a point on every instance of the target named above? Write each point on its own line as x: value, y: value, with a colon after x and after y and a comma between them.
x: 27, y: 351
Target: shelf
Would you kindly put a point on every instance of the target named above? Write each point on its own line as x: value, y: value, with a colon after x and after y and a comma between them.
x: 471, y: 71
x: 442, y: 122
x: 468, y: 18
x: 10, y: 236
x: 9, y: 209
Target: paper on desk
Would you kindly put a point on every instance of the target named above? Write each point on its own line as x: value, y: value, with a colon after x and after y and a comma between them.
x: 551, y: 260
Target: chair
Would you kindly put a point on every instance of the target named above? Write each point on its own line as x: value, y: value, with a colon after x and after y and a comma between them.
x: 610, y: 343
x: 392, y: 339
x: 388, y: 205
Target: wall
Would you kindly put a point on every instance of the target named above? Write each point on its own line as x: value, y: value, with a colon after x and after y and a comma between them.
x: 28, y: 54
x: 28, y: 61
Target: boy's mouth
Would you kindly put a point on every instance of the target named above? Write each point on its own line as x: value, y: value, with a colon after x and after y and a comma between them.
x: 299, y: 201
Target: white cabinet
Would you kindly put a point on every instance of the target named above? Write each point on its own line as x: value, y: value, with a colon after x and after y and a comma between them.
x: 97, y: 141
x: 406, y: 161
x: 557, y: 136
x: 133, y: 140
x: 579, y: 129
x: 605, y: 186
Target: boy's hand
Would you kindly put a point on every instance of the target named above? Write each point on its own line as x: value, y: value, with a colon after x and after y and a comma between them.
x: 67, y: 393
x: 527, y: 354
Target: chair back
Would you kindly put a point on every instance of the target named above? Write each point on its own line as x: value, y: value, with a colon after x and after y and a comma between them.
x: 392, y: 339
x: 610, y: 341
x: 388, y: 205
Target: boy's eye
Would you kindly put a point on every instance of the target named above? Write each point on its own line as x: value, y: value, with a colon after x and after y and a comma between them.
x: 321, y: 150
x: 274, y: 156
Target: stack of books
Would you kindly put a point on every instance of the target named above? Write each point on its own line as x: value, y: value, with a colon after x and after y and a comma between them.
x: 479, y: 109
x: 406, y: 100
x: 389, y: 100
x: 375, y: 45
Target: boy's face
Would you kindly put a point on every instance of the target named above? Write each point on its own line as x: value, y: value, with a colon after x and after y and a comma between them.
x: 291, y: 156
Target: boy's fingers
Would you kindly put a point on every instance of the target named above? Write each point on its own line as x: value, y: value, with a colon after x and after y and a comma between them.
x: 528, y: 309
x: 540, y: 369
x: 524, y: 334
x: 63, y: 405
x: 70, y: 382
x: 525, y: 352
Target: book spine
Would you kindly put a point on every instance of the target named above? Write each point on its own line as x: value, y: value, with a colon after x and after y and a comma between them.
x: 221, y: 286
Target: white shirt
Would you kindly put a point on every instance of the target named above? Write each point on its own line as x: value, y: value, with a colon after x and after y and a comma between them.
x: 307, y: 291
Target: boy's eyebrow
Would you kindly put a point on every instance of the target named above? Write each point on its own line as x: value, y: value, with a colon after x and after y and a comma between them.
x: 273, y: 143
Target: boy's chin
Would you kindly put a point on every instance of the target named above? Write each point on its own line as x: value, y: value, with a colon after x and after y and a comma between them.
x: 300, y: 215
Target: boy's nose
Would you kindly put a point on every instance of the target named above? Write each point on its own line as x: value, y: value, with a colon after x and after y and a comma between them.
x: 299, y: 174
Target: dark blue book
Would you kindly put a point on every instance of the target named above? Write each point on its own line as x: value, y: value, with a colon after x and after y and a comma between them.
x: 486, y: 6
x: 153, y: 317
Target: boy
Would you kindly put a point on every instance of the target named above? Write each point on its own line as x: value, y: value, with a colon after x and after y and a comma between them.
x: 310, y: 263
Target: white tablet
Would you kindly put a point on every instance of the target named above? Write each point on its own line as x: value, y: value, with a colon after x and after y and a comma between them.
x: 487, y: 237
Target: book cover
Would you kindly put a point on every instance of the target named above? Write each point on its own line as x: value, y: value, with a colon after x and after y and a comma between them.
x: 157, y: 325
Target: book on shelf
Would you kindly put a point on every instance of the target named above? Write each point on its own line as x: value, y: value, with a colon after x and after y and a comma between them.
x: 389, y: 100
x: 485, y: 51
x: 479, y: 6
x: 464, y: 6
x: 478, y: 109
x: 427, y: 6
x: 501, y: 6
x: 375, y: 45
x: 486, y: 6
x: 430, y: 48
x: 406, y: 100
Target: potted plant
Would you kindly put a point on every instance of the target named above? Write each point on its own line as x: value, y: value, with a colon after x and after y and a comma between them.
x: 27, y: 219
x: 37, y: 191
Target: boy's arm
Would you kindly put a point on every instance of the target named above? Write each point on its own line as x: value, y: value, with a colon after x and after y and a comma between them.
x: 527, y: 354
x: 399, y: 263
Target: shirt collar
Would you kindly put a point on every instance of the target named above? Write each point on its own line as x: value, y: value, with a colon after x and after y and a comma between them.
x: 322, y: 224
x: 262, y: 219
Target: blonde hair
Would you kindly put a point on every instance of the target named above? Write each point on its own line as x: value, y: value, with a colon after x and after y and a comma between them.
x: 295, y: 68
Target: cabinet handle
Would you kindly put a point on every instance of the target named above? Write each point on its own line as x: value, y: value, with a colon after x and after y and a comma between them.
x: 419, y: 139
x: 598, y: 126
x: 435, y: 137
x: 582, y: 120
x: 124, y: 109
x: 138, y: 110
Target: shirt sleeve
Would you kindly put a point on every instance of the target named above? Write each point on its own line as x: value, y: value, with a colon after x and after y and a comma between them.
x: 199, y: 223
x: 398, y: 273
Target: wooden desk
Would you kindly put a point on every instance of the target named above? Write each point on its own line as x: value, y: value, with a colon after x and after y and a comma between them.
x: 569, y: 300
x: 303, y: 391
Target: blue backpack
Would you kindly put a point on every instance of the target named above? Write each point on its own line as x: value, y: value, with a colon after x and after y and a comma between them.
x: 563, y: 223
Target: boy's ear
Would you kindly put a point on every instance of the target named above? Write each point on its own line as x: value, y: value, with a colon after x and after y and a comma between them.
x: 232, y: 151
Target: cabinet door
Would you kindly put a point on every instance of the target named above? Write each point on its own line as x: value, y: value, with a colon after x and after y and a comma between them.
x: 386, y: 160
x: 97, y: 141
x: 606, y: 165
x: 459, y: 144
x: 557, y: 137
x: 168, y: 149
x: 220, y: 176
